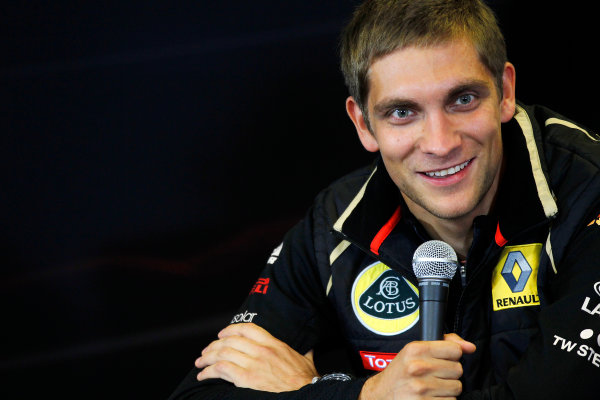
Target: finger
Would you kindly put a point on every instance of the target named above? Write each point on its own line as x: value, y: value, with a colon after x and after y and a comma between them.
x: 226, y: 354
x: 239, y: 343
x: 222, y: 370
x: 214, y: 346
x: 434, y: 368
x: 250, y: 331
x: 442, y: 349
x: 209, y: 348
x: 427, y: 387
x: 450, y: 388
x: 466, y: 346
x: 447, y: 370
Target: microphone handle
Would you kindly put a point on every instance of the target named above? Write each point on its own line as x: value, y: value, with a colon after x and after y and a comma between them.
x: 433, y: 295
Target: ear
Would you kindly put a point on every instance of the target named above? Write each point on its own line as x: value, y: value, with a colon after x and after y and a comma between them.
x: 364, y: 134
x: 507, y: 108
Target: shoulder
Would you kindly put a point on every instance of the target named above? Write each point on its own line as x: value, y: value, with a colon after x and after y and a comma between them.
x: 561, y: 136
x: 336, y: 197
x: 570, y: 152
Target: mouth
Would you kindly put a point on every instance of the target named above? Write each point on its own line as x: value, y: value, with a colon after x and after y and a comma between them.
x: 448, y: 171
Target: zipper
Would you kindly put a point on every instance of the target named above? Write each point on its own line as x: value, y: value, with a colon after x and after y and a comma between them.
x: 484, y: 261
x: 463, y: 273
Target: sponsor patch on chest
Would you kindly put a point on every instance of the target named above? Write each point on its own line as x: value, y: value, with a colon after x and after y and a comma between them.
x: 383, y: 301
x: 376, y: 361
x: 514, y: 281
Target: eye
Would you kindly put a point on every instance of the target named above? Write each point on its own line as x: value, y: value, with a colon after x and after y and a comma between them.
x: 401, y: 113
x: 465, y: 99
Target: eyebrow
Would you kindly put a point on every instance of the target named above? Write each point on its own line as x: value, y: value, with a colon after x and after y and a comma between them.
x: 481, y: 86
x: 478, y: 85
x: 391, y: 104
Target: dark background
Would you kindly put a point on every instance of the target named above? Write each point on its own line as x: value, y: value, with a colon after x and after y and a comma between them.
x: 153, y: 155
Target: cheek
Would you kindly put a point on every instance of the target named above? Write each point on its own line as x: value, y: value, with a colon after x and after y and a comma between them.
x: 489, y: 141
x: 485, y: 130
x: 395, y: 146
x: 493, y: 139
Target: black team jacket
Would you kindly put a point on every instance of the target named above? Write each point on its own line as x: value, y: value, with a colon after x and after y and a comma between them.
x: 528, y: 295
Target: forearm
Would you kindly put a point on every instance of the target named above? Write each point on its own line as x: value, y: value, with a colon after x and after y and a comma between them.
x: 191, y: 389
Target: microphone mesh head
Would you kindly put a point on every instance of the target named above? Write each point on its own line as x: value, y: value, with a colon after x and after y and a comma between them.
x: 435, y: 259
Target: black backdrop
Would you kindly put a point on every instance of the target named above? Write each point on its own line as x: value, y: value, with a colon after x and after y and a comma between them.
x: 153, y: 155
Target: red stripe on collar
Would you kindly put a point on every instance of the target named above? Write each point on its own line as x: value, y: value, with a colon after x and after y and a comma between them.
x: 385, y: 231
x: 500, y: 240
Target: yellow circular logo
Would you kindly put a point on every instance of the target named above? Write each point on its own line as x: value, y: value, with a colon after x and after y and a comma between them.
x: 384, y: 301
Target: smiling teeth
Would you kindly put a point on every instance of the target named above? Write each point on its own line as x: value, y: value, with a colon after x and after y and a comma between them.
x: 449, y: 171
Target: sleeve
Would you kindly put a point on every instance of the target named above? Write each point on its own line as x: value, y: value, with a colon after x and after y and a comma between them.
x: 289, y: 301
x: 563, y: 361
x: 219, y: 390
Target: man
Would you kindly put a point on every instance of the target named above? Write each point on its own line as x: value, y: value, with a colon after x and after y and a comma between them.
x: 515, y: 190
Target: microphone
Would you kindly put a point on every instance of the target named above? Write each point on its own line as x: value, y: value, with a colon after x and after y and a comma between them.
x: 434, y: 264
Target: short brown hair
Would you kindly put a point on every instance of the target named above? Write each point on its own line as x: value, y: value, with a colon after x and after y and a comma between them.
x: 379, y: 27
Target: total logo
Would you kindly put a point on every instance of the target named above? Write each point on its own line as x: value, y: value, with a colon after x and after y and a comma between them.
x: 243, y: 317
x: 383, y: 301
x: 588, y: 306
x: 375, y: 361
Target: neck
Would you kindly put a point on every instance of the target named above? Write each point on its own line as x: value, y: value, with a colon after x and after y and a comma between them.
x: 459, y: 235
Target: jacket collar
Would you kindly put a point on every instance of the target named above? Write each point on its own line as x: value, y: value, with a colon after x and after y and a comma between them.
x: 524, y: 197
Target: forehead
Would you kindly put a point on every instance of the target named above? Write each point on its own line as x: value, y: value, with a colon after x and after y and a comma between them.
x: 419, y: 70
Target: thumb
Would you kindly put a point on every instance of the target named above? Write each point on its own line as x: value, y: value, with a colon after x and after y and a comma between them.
x: 466, y: 346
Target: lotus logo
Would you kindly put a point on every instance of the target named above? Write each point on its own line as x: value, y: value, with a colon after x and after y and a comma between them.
x: 388, y: 288
x: 384, y: 301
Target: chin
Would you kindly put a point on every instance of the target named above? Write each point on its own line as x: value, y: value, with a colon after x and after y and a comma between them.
x: 450, y: 213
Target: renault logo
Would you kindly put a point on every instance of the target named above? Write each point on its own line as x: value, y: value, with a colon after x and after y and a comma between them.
x: 514, y: 280
x: 516, y: 264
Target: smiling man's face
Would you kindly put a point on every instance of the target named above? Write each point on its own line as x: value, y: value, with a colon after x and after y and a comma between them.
x: 435, y: 116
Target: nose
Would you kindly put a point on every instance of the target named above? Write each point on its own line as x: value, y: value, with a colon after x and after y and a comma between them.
x: 439, y: 135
